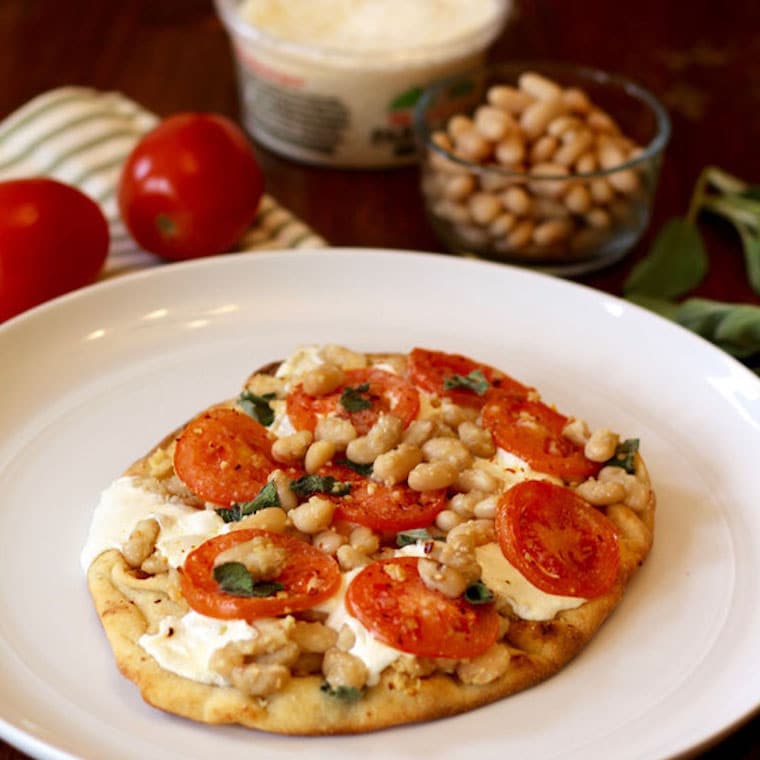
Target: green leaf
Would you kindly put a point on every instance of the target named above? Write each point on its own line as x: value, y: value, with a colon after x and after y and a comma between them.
x: 266, y: 497
x: 257, y: 406
x: 478, y: 593
x: 407, y: 537
x: 751, y: 245
x: 310, y: 484
x: 361, y: 469
x: 234, y: 579
x: 352, y: 400
x: 751, y: 193
x: 667, y: 309
x: 475, y: 382
x: 676, y: 263
x: 625, y: 455
x: 734, y: 327
x: 344, y: 693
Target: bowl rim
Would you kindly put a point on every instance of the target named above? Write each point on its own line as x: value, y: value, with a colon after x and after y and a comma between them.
x: 655, y: 147
x: 459, y: 46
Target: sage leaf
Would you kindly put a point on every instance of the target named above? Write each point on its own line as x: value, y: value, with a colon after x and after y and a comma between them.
x: 257, y: 406
x: 352, y: 400
x: 478, y: 593
x: 266, y: 497
x: 734, y: 327
x: 667, y: 309
x: 676, y: 263
x: 360, y: 469
x: 412, y: 536
x: 625, y: 455
x: 751, y: 245
x: 344, y: 693
x: 311, y: 484
x: 475, y: 381
x: 234, y: 579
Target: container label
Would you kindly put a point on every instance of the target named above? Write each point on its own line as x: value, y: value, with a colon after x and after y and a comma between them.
x: 314, y: 122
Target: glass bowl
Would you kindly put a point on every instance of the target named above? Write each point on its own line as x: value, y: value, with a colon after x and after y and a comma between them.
x: 547, y: 165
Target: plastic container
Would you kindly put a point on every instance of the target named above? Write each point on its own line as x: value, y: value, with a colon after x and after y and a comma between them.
x: 313, y: 94
x: 572, y: 195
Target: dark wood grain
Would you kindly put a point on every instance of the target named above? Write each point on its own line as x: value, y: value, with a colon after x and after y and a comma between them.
x: 702, y: 59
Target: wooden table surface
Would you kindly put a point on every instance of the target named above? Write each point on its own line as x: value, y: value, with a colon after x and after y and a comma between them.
x: 701, y: 59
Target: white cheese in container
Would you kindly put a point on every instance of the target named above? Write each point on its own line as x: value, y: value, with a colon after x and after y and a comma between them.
x: 335, y: 81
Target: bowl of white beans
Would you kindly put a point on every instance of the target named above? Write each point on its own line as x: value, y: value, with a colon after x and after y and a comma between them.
x: 551, y: 166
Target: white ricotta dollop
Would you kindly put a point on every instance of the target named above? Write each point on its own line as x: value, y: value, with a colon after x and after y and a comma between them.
x: 529, y: 602
x: 373, y: 653
x: 124, y: 503
x: 184, y: 645
x: 359, y: 25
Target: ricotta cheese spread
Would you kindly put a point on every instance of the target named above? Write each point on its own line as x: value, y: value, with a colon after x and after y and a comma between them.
x: 362, y: 25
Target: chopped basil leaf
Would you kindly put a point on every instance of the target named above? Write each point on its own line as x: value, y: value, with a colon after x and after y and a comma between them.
x: 625, y: 455
x: 362, y: 469
x: 352, y: 400
x: 233, y: 578
x: 257, y: 406
x: 266, y: 497
x: 346, y: 693
x: 407, y: 537
x: 267, y: 588
x: 475, y: 382
x: 478, y: 593
x: 309, y: 484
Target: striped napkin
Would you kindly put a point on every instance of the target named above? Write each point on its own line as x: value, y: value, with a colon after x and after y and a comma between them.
x: 82, y: 136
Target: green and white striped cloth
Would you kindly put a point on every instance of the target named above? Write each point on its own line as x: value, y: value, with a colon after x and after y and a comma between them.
x: 82, y: 136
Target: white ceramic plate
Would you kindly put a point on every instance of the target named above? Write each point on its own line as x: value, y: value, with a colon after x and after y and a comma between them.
x: 92, y: 380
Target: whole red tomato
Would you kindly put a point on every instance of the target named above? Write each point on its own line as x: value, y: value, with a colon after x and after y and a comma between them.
x: 53, y: 239
x: 191, y: 187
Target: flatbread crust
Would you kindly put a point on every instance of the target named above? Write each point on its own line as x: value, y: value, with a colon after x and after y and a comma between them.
x: 130, y: 605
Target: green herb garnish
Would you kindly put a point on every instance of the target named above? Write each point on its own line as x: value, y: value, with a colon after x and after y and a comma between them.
x: 257, y: 406
x: 677, y: 263
x: 266, y: 497
x: 344, y: 693
x: 625, y: 455
x: 407, y: 537
x: 361, y: 469
x: 475, y: 382
x: 352, y: 400
x: 478, y: 593
x: 310, y: 484
x: 234, y: 579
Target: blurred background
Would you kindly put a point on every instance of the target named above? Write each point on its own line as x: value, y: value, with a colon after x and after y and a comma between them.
x: 700, y: 58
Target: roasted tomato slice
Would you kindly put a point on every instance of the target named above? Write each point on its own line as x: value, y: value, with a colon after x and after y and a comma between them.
x: 309, y: 577
x: 533, y: 431
x: 381, y: 507
x: 559, y: 542
x: 390, y: 599
x: 224, y: 456
x: 431, y: 370
x: 385, y: 392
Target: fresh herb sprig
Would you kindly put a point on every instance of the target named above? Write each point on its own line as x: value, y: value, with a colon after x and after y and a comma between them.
x: 678, y: 262
x: 353, y: 399
x: 327, y: 484
x: 235, y: 579
x: 475, y: 381
x: 257, y: 406
x: 266, y: 497
x: 343, y: 693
